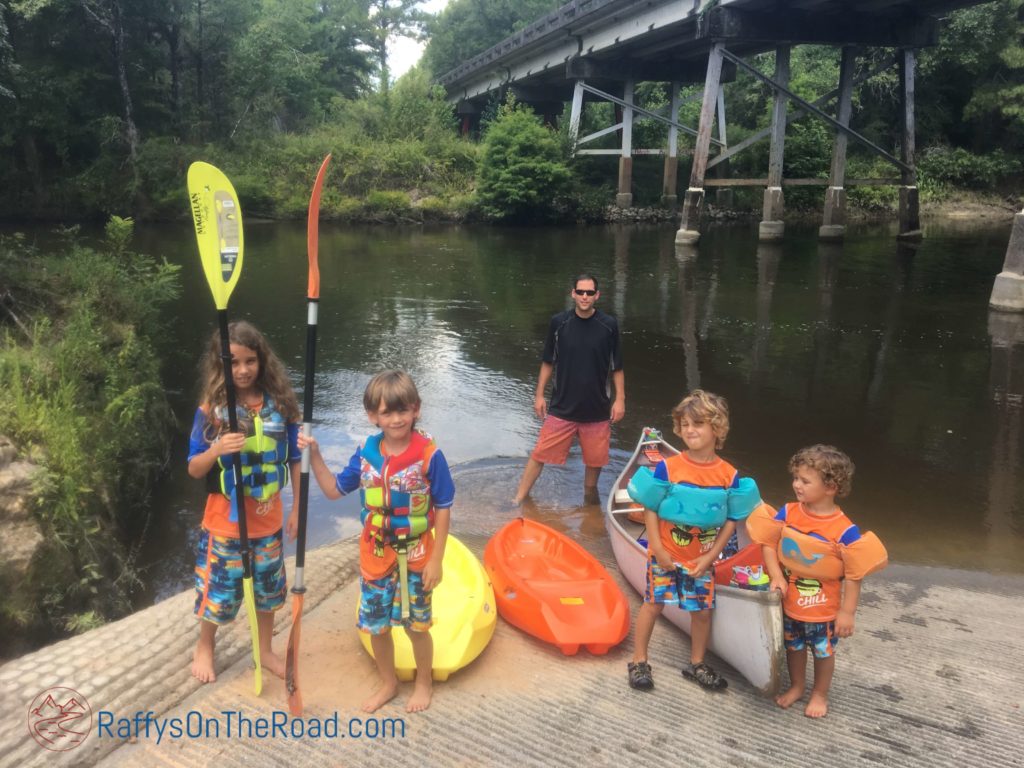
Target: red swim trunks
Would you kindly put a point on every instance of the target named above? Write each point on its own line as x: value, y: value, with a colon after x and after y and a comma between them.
x: 556, y: 438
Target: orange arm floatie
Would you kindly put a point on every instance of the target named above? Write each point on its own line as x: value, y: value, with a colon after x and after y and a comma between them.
x: 863, y: 557
x: 762, y: 526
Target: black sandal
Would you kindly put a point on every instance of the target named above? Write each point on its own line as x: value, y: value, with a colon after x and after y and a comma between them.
x: 640, y: 676
x: 705, y: 677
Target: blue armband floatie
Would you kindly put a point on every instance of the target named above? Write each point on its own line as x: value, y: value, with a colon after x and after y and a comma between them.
x: 743, y: 499
x: 695, y: 506
x: 647, y: 490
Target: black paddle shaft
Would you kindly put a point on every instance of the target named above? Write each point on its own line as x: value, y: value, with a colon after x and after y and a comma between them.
x: 236, y: 458
x: 307, y: 418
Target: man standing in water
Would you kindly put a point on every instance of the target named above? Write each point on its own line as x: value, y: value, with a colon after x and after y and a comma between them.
x: 581, y: 350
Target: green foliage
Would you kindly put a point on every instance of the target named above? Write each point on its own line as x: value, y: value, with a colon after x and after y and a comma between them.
x: 389, y: 203
x: 265, y: 88
x: 521, y: 168
x: 83, y: 622
x: 468, y: 27
x: 947, y: 167
x: 585, y: 205
x: 80, y: 368
x: 273, y: 68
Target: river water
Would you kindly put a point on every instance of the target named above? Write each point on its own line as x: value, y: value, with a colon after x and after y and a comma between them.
x: 887, y: 351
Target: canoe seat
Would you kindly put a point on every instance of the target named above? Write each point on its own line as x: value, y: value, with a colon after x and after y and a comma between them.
x: 622, y: 497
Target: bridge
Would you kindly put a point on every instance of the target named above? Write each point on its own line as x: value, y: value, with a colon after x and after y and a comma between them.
x: 590, y: 50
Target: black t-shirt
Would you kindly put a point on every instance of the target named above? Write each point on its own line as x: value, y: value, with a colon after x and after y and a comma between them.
x: 584, y: 351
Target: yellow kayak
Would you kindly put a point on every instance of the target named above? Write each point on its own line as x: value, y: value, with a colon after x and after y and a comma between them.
x: 464, y: 616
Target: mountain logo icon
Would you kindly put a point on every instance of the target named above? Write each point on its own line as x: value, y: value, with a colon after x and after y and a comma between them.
x: 59, y: 719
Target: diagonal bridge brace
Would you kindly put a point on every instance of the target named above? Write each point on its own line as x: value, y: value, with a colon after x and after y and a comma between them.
x: 640, y: 110
x: 809, y: 107
x: 798, y: 114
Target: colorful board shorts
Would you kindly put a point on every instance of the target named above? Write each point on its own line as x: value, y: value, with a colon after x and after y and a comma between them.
x: 820, y: 637
x: 556, y: 436
x: 219, y: 575
x: 380, y: 604
x: 676, y: 587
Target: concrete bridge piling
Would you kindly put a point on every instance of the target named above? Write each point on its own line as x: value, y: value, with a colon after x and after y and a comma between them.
x: 1008, y: 289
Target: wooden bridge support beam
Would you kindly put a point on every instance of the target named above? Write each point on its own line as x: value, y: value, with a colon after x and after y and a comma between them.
x: 693, y: 203
x: 772, y: 227
x: 833, y: 225
x: 624, y: 199
x: 910, y: 215
x: 723, y: 195
x: 669, y: 198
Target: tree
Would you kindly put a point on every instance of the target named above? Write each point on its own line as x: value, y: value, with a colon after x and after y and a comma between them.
x: 7, y: 65
x: 108, y: 15
x: 1000, y: 89
x: 339, y: 32
x: 274, y: 68
x: 521, y: 168
x: 468, y: 27
x: 393, y: 18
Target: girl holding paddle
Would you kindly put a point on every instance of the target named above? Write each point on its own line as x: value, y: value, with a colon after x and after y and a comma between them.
x: 267, y: 415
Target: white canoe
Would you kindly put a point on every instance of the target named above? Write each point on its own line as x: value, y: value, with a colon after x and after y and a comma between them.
x: 746, y: 626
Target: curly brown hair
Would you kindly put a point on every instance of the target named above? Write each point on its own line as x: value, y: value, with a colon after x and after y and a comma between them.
x: 834, y: 466
x: 272, y: 379
x: 700, y: 407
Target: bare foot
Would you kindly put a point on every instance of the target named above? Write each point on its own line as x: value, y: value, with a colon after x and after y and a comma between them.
x: 202, y: 663
x: 271, y: 662
x: 381, y: 697
x: 420, y: 698
x: 817, y: 705
x: 789, y: 697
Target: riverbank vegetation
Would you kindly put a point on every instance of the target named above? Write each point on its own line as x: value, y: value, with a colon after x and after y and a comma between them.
x: 79, y: 368
x: 108, y: 103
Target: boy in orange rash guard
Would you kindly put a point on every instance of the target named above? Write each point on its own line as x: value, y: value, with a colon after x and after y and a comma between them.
x: 679, y: 559
x: 817, y: 610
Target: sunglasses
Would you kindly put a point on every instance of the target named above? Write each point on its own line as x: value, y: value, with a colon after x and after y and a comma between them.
x: 584, y: 292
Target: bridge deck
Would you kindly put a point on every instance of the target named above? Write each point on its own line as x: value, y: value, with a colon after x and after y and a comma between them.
x: 669, y: 39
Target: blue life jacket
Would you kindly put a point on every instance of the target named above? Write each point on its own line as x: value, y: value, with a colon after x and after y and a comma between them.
x: 691, y: 505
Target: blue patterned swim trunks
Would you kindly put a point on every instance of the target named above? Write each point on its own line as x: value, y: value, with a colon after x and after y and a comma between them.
x: 219, y: 575
x: 380, y: 604
x: 676, y: 587
x: 820, y: 637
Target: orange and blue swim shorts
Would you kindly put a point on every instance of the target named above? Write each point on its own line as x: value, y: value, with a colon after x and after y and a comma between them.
x: 677, y: 587
x: 219, y: 575
x: 820, y: 637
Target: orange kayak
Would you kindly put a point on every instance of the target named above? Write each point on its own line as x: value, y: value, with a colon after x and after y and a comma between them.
x: 552, y: 588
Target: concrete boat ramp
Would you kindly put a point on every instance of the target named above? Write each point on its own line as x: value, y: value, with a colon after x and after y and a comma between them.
x: 932, y: 677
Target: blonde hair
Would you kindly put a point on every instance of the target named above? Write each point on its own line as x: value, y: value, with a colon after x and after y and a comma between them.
x: 834, y: 466
x: 272, y: 378
x: 393, y: 388
x: 703, y: 407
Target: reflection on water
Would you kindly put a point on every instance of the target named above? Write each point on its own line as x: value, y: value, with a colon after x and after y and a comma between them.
x: 886, y: 351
